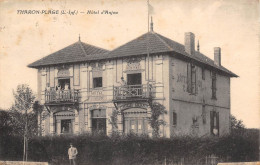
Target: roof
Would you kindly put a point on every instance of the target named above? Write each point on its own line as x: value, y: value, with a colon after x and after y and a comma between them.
x: 161, y: 44
x: 138, y: 46
x: 76, y: 52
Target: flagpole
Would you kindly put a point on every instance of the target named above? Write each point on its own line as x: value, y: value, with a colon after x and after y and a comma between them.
x: 148, y: 43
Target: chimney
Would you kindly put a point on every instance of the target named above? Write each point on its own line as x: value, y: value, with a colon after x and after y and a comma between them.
x: 190, y: 43
x: 217, y: 56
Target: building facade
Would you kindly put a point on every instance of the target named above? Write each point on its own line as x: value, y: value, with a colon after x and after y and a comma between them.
x: 88, y: 89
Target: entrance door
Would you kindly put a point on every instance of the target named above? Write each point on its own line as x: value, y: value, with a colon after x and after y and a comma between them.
x: 66, y: 126
x: 99, y: 121
x: 99, y: 125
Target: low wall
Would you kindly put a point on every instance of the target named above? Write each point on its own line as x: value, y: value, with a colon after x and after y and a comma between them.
x: 240, y: 163
x: 22, y: 163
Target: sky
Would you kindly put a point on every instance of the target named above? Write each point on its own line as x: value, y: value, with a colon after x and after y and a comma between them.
x: 232, y: 25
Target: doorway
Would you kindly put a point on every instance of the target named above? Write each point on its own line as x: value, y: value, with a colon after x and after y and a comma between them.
x: 66, y: 126
x: 63, y: 82
x: 134, y: 79
x: 99, y: 121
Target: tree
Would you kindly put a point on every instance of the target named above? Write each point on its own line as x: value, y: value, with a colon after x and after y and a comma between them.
x: 157, y: 110
x: 236, y: 125
x: 5, y: 123
x: 113, y: 120
x: 22, y: 111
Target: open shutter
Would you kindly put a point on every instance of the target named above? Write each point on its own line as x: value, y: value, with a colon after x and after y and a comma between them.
x: 211, y: 122
x: 76, y: 74
x: 189, y: 77
x: 196, y: 85
x: 48, y: 77
x: 217, y: 117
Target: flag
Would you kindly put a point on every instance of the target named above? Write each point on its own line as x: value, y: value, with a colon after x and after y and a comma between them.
x: 150, y: 9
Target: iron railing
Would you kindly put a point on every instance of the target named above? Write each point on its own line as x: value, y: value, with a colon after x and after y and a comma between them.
x: 61, y: 96
x: 132, y: 91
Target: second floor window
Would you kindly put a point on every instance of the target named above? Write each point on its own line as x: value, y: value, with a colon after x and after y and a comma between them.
x: 97, y: 82
x: 203, y: 73
x: 214, y: 85
x: 191, y: 79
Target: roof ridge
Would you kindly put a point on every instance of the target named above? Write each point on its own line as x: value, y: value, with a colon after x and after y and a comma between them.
x: 94, y: 46
x: 81, y: 46
x: 130, y: 41
x: 50, y: 54
x: 167, y: 45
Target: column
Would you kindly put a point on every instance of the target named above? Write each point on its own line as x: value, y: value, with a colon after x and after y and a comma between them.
x: 86, y: 119
x: 76, y: 124
x: 52, y: 122
x: 58, y: 126
x: 149, y: 128
x: 109, y: 112
x: 120, y: 122
x: 89, y: 121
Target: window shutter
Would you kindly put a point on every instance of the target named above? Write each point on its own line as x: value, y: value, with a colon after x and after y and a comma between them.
x: 203, y: 73
x: 174, y: 116
x: 76, y: 74
x: 189, y: 77
x: 196, y: 85
x: 217, y: 116
x: 211, y: 122
x: 47, y: 76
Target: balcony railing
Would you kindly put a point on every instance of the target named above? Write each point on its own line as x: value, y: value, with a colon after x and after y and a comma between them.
x: 132, y: 92
x: 61, y: 96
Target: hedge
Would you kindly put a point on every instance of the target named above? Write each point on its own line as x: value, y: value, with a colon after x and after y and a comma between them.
x: 131, y: 149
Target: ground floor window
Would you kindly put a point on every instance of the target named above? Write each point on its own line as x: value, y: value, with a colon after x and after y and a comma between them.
x: 135, y: 121
x: 98, y: 121
x: 135, y: 125
x: 214, y: 123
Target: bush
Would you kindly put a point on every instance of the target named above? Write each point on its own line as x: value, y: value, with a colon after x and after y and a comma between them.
x: 131, y: 149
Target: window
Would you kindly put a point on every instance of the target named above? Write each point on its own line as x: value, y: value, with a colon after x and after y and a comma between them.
x: 214, y: 123
x: 203, y: 73
x: 174, y: 118
x: 214, y: 85
x: 203, y: 114
x: 99, y: 121
x: 194, y: 120
x: 191, y: 79
x: 97, y: 82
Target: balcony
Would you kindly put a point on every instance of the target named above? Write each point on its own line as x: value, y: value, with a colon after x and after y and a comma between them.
x: 132, y: 92
x: 61, y: 96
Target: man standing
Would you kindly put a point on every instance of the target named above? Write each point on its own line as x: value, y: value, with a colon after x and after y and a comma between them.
x: 72, y: 152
